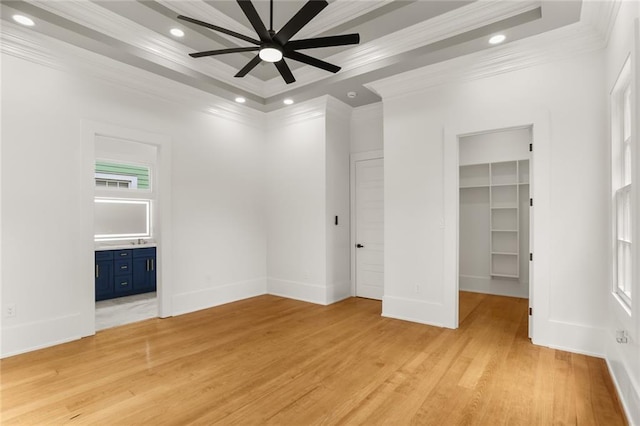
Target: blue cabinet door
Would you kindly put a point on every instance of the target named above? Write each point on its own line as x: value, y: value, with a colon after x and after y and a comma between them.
x: 104, y: 279
x: 144, y: 273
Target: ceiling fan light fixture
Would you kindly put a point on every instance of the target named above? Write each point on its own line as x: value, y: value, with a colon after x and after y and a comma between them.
x: 270, y: 54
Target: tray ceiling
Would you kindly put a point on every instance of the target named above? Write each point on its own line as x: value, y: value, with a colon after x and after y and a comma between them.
x: 396, y: 36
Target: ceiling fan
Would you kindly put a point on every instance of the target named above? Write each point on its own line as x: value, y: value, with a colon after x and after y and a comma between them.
x: 275, y: 46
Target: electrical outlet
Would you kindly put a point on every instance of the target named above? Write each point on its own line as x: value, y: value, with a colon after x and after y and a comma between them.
x: 10, y: 310
x: 622, y: 336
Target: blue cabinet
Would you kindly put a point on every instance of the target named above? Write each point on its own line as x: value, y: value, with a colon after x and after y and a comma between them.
x: 104, y: 274
x: 144, y: 269
x: 125, y: 272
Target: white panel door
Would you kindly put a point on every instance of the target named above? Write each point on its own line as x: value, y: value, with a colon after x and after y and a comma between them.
x: 369, y: 228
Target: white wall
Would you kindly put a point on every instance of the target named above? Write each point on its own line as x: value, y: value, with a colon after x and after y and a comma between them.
x: 308, y: 185
x: 296, y: 212
x: 624, y: 359
x: 366, y: 128
x: 419, y: 227
x: 219, y: 250
x: 338, y: 122
x: 494, y: 147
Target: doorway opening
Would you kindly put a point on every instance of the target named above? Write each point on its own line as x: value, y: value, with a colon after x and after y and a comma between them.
x: 125, y: 232
x: 494, y: 231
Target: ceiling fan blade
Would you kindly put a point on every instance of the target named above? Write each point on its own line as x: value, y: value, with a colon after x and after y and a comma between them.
x: 313, y: 43
x: 253, y: 17
x: 251, y: 65
x: 285, y: 72
x: 300, y: 19
x: 314, y: 62
x: 223, y: 51
x: 219, y: 29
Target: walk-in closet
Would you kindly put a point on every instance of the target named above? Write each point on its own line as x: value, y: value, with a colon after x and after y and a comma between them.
x: 494, y: 212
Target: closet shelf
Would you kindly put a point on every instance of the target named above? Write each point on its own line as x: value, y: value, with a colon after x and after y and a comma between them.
x: 504, y: 275
x: 504, y: 181
x: 474, y: 186
x: 504, y: 184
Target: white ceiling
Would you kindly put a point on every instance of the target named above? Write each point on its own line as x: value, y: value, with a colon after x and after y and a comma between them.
x: 395, y: 36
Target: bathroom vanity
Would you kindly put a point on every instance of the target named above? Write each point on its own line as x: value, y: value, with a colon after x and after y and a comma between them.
x: 124, y: 271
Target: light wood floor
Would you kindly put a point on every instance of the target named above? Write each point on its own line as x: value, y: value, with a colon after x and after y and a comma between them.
x: 270, y: 360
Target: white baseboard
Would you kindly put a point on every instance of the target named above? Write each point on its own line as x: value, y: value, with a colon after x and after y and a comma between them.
x: 297, y: 290
x: 628, y: 389
x: 571, y: 337
x: 419, y: 311
x: 36, y: 335
x: 497, y: 286
x: 207, y: 298
x: 338, y: 291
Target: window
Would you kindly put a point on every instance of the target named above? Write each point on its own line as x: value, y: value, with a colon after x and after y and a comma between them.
x: 104, y: 180
x: 621, y: 178
x: 110, y: 175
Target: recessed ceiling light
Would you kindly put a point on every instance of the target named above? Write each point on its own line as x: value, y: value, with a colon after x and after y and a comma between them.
x: 177, y: 32
x: 23, y: 20
x: 288, y: 102
x: 352, y: 95
x: 497, y: 39
x: 240, y: 100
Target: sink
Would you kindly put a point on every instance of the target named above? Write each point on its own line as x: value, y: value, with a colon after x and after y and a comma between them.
x: 121, y: 245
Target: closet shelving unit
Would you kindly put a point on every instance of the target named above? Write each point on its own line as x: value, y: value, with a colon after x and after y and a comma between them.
x: 504, y: 181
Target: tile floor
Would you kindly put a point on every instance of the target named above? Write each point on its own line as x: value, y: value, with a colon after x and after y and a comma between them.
x: 125, y: 310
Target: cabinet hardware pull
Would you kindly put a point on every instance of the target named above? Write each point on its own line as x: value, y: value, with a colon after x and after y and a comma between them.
x: 152, y: 264
x: 124, y: 284
x: 123, y: 267
x: 97, y: 271
x: 147, y: 264
x: 123, y: 254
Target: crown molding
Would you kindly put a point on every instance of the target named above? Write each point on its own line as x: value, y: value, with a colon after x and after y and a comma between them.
x: 297, y: 113
x: 17, y: 42
x: 37, y: 48
x: 474, y: 15
x: 601, y: 14
x: 552, y: 46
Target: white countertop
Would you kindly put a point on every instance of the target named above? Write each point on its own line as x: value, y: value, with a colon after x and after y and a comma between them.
x: 102, y: 247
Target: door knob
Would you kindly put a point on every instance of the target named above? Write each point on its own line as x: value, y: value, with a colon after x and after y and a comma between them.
x: 359, y: 246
